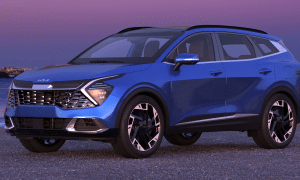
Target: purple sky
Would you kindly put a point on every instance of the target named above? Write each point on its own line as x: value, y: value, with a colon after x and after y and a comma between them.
x: 37, y: 33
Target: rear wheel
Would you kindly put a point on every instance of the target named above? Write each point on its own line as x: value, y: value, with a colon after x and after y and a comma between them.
x: 40, y: 145
x: 141, y: 128
x: 278, y: 124
x: 183, y: 139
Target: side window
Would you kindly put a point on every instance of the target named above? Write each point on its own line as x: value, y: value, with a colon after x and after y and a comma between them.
x: 152, y: 45
x: 200, y: 44
x: 236, y: 47
x: 265, y: 46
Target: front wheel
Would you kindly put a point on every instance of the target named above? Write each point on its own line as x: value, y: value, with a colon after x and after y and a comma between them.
x: 141, y: 128
x: 278, y: 124
x: 40, y: 145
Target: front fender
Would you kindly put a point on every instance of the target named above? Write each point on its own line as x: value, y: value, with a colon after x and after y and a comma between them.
x: 143, y: 91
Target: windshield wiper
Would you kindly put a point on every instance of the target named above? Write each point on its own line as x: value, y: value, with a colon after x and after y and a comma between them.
x: 106, y: 62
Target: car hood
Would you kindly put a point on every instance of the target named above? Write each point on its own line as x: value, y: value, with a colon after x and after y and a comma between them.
x: 68, y: 72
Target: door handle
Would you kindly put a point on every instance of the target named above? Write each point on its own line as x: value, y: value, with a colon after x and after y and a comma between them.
x: 265, y: 71
x: 215, y: 73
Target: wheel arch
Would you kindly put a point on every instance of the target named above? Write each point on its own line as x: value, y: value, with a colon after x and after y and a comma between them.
x: 282, y: 90
x: 148, y: 92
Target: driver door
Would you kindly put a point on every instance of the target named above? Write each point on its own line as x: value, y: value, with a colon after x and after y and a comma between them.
x: 198, y: 91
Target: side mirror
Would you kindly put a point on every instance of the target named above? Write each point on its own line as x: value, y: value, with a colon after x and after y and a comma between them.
x: 185, y: 58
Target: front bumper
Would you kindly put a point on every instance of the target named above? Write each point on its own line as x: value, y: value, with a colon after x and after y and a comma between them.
x: 106, y: 113
x: 59, y: 128
x: 108, y: 135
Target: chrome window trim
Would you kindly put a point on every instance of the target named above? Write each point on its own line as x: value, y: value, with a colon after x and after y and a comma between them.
x: 254, y: 58
x: 240, y: 60
x: 223, y: 61
x: 278, y: 46
x: 169, y: 63
x: 217, y: 118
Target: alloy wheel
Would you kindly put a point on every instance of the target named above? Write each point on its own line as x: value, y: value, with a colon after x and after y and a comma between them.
x: 280, y: 121
x: 144, y: 126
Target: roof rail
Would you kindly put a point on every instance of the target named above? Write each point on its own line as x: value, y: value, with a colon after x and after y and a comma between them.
x: 224, y: 26
x: 133, y: 28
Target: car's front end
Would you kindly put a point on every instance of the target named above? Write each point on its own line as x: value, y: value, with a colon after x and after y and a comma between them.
x: 61, y: 109
x: 81, y: 99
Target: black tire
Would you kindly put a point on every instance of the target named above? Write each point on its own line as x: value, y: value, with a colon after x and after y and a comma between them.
x: 278, y: 124
x: 183, y: 139
x: 40, y: 145
x: 135, y: 132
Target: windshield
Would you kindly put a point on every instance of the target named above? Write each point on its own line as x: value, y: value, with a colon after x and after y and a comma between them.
x: 125, y: 49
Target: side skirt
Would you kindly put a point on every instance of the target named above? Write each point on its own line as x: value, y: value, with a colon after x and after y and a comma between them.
x: 235, y: 122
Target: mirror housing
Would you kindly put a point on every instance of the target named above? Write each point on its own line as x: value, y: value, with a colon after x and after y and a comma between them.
x: 185, y: 58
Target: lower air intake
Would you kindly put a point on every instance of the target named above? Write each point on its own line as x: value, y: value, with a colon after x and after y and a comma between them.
x: 41, y: 123
x: 86, y: 125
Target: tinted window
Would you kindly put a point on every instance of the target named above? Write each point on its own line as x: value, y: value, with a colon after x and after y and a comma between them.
x: 236, y: 47
x: 265, y: 46
x: 139, y: 47
x: 200, y: 44
x: 121, y: 47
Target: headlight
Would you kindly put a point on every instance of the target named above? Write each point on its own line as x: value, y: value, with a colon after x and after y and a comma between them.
x: 97, y: 91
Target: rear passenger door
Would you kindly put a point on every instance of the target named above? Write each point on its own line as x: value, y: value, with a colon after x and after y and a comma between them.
x: 248, y: 74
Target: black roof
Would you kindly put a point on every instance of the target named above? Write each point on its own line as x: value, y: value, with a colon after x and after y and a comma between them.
x: 152, y: 29
x: 134, y: 28
x: 224, y: 26
x: 186, y: 28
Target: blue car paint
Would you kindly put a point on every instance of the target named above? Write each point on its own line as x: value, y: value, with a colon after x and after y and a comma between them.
x: 79, y: 72
x: 159, y: 81
x: 246, y: 85
x: 196, y: 92
x: 187, y: 92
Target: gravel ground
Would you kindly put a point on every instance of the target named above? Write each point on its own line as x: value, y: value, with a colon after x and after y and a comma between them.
x: 217, y: 155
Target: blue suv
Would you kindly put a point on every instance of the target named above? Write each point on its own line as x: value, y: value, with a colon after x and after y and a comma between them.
x: 142, y: 83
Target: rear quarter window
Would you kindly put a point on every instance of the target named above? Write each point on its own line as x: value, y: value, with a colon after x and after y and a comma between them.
x: 265, y: 46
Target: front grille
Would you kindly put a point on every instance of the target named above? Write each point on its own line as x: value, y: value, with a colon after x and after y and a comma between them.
x: 41, y: 123
x: 66, y: 99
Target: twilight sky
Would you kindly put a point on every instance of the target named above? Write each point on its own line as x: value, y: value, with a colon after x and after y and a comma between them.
x: 37, y: 33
